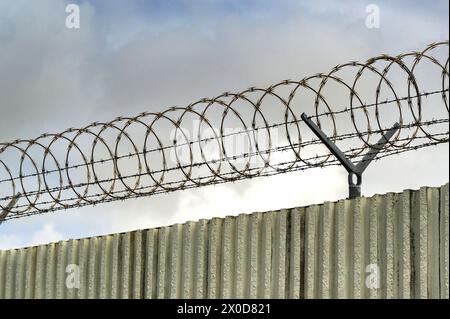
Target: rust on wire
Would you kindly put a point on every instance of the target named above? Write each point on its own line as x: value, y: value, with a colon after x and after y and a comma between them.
x: 153, y: 153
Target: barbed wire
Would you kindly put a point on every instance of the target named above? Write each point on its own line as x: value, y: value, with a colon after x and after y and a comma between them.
x: 243, y: 156
x: 240, y: 132
x: 191, y: 186
x: 234, y: 136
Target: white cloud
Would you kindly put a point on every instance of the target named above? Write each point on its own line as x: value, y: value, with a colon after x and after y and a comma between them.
x: 10, y: 241
x: 46, y: 234
x: 265, y: 194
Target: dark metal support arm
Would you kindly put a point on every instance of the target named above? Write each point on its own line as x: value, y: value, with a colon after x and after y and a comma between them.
x: 5, y: 211
x: 354, y: 187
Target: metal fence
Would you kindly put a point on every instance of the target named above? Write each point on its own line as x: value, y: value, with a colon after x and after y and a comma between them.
x: 386, y: 246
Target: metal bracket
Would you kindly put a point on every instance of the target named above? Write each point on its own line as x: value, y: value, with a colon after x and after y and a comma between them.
x: 354, y: 171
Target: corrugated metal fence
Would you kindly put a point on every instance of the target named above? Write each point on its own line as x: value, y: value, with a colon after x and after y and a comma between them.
x: 336, y: 250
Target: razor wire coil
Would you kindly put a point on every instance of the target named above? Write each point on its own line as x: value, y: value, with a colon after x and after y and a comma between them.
x: 41, y: 177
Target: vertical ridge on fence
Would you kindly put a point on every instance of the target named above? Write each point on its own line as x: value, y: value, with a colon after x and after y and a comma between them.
x: 443, y: 242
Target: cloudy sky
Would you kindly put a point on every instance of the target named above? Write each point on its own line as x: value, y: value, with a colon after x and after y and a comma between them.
x: 133, y: 56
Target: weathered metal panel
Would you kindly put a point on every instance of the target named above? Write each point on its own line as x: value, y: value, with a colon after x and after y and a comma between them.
x: 443, y: 240
x: 311, y: 249
x: 403, y: 228
x: 214, y: 258
x: 386, y: 246
x: 295, y: 257
x: 341, y: 254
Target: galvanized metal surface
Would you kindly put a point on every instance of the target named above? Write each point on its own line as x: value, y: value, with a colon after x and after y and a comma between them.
x: 320, y: 251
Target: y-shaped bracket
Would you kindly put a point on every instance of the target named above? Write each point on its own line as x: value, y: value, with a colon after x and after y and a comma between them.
x: 354, y: 187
